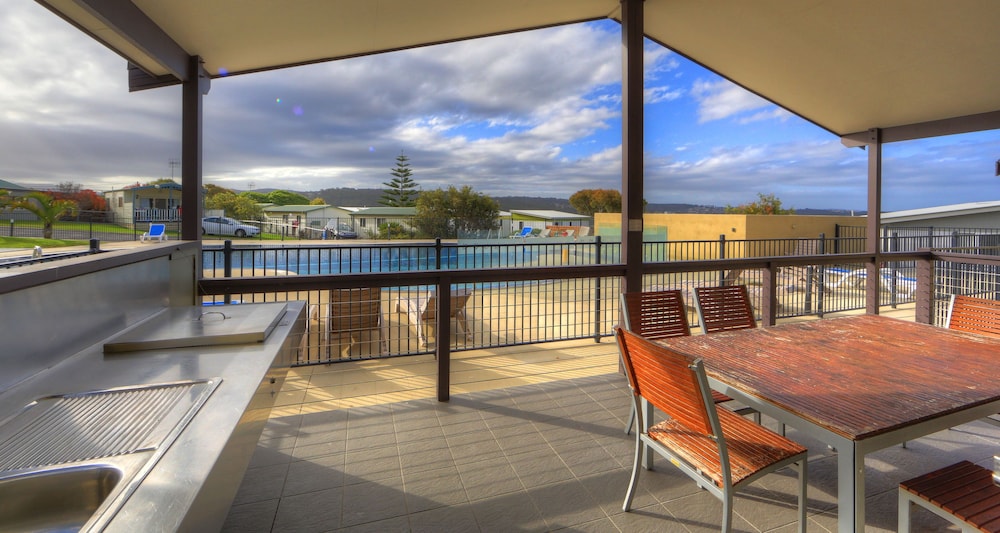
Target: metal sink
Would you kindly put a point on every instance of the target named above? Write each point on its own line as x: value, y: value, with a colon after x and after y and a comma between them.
x: 69, y: 462
x: 61, y: 499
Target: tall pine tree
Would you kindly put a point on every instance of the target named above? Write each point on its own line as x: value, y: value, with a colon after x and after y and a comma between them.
x: 402, y: 190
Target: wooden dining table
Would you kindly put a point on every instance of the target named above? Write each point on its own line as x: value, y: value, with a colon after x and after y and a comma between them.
x: 858, y: 384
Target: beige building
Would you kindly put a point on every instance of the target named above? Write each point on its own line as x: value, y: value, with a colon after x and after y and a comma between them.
x: 709, y: 227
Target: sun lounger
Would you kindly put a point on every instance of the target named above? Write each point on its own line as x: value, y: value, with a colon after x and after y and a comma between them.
x: 156, y: 231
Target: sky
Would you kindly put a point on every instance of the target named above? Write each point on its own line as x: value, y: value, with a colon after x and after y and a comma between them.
x: 529, y: 114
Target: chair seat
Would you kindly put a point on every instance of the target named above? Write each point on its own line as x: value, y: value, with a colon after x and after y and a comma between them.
x: 718, y: 397
x: 964, y: 490
x: 751, y: 447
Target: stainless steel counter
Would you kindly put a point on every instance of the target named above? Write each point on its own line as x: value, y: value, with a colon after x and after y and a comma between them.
x: 196, y: 473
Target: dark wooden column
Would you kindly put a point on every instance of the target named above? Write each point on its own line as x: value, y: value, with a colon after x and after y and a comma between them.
x: 874, y: 221
x: 632, y: 142
x: 194, y: 88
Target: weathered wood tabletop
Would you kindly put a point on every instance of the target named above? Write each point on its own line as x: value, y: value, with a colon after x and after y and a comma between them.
x: 857, y: 376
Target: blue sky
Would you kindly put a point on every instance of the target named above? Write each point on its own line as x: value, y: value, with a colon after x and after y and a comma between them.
x: 535, y: 113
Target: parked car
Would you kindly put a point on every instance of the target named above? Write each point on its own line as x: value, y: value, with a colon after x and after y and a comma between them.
x: 227, y: 226
x: 342, y: 230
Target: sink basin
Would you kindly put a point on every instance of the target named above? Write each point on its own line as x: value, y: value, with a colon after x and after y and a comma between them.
x: 62, y: 499
x: 69, y: 462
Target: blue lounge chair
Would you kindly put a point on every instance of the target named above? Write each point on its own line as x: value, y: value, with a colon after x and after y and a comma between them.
x: 525, y: 231
x: 156, y: 231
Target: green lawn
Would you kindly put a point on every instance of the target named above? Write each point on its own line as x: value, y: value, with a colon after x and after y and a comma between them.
x: 31, y: 242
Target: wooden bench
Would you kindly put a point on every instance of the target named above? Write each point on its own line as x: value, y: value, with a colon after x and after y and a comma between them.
x: 963, y: 494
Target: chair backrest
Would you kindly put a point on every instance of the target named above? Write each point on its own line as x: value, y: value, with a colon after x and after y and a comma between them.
x: 525, y: 231
x: 655, y: 314
x: 459, y: 299
x: 975, y: 315
x: 155, y: 230
x: 674, y: 383
x: 355, y: 309
x: 724, y: 308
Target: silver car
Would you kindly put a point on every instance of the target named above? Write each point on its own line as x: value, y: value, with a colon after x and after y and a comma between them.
x: 227, y: 226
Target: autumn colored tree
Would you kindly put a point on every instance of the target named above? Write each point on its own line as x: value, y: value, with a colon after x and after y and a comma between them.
x: 766, y: 204
x: 590, y: 201
x: 85, y: 199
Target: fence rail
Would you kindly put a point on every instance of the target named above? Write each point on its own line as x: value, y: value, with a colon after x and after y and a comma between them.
x: 524, y: 292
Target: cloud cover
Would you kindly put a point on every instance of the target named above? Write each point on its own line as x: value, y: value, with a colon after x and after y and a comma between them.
x: 535, y: 113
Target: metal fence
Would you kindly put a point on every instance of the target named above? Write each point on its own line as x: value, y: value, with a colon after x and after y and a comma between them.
x: 506, y: 313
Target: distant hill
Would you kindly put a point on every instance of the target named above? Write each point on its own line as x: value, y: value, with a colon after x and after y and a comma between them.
x: 344, y: 196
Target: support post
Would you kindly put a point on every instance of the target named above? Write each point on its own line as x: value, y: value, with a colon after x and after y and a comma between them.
x: 632, y: 142
x: 194, y: 88
x: 874, y: 221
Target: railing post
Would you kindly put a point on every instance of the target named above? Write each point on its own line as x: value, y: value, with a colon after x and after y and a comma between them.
x: 924, y: 311
x: 597, y: 292
x: 821, y: 275
x: 437, y: 253
x: 769, y: 296
x: 893, y: 272
x: 227, y: 266
x: 722, y: 255
x: 442, y: 334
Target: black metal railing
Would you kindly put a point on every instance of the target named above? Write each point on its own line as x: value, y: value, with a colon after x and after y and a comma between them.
x: 522, y: 293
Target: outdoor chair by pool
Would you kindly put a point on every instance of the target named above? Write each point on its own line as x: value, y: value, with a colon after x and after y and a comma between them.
x: 422, y: 310
x: 353, y: 313
x: 722, y: 451
x: 156, y: 231
x: 661, y: 315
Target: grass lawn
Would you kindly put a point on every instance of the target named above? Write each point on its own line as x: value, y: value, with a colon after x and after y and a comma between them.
x: 31, y: 242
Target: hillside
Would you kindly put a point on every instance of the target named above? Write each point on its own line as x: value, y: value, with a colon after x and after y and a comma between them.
x: 370, y: 197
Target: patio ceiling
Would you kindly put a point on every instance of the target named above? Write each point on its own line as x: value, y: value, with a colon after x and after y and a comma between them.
x: 914, y: 68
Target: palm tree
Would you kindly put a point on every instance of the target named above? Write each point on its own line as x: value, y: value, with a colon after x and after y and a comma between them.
x: 46, y: 208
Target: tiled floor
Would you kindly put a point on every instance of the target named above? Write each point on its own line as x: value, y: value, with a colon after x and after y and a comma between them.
x: 532, y: 440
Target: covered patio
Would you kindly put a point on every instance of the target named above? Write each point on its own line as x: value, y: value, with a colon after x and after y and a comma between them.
x: 548, y: 456
x: 531, y: 440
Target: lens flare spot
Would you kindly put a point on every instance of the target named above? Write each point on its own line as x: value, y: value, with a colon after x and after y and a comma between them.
x: 277, y: 100
x: 371, y: 149
x: 223, y: 71
x: 297, y: 110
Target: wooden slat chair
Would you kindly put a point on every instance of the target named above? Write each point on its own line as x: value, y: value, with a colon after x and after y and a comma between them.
x: 975, y: 315
x: 963, y: 494
x: 720, y: 450
x: 724, y: 308
x: 661, y: 315
x: 354, y: 312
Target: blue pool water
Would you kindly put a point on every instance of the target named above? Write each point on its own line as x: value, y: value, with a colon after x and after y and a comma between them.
x: 343, y: 260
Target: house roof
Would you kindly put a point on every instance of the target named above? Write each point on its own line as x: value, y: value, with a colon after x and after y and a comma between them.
x: 548, y: 214
x: 295, y: 208
x: 11, y: 186
x: 943, y: 211
x: 146, y: 186
x: 386, y: 211
x: 914, y: 68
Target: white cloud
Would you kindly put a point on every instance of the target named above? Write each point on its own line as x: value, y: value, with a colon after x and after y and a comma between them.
x: 722, y: 99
